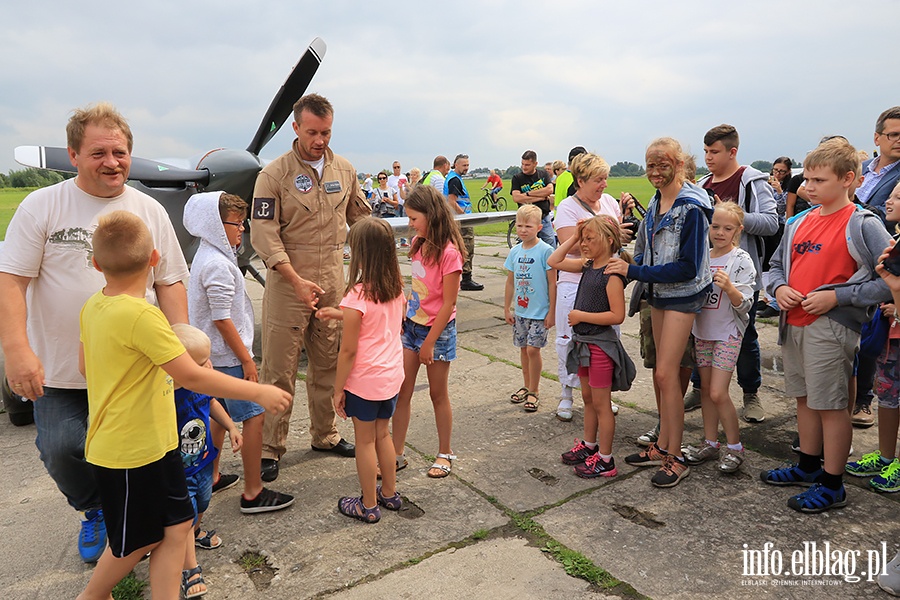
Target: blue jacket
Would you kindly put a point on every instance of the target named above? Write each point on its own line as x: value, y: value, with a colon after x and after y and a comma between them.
x: 672, y: 254
x: 882, y: 191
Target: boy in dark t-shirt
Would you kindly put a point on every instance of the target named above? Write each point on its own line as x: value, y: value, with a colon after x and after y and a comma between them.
x: 823, y: 275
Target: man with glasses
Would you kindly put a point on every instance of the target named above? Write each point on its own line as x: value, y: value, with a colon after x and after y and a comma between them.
x: 458, y: 197
x: 302, y: 204
x: 882, y: 173
x: 880, y: 176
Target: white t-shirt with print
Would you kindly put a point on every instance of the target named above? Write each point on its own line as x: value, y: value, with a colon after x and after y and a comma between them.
x: 49, y: 241
x: 716, y: 319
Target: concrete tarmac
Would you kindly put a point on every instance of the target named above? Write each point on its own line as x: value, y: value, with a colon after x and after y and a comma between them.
x: 511, y: 520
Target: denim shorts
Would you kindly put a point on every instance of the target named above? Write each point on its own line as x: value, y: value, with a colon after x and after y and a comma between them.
x: 444, y: 348
x: 200, y: 489
x: 239, y: 410
x: 689, y: 305
x: 368, y: 410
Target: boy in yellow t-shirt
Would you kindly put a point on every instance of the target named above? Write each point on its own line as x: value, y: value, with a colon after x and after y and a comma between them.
x: 129, y: 356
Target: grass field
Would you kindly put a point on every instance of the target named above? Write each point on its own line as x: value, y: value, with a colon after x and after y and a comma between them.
x: 638, y: 186
x: 9, y: 200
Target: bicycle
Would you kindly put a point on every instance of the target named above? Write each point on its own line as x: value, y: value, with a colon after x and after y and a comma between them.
x: 488, y: 202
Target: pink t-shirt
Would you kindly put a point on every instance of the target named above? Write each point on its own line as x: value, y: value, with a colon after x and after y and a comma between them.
x: 427, y: 293
x: 378, y: 370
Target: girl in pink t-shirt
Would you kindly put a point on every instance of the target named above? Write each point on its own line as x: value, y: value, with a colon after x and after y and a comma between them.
x: 429, y: 330
x: 370, y: 363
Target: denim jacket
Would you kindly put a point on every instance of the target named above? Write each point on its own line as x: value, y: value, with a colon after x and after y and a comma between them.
x: 672, y: 255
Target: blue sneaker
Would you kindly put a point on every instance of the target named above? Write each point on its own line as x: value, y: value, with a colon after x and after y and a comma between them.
x: 818, y: 499
x: 791, y: 475
x: 92, y: 539
x: 889, y: 478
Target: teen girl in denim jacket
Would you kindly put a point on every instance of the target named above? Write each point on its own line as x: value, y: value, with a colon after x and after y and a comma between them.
x: 672, y: 256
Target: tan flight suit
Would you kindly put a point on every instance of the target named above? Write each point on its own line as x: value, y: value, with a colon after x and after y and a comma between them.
x: 298, y: 218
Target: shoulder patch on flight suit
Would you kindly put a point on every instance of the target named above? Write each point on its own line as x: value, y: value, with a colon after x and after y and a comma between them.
x: 303, y: 183
x: 332, y: 187
x: 263, y: 208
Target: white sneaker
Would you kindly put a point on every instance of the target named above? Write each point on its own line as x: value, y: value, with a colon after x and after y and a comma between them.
x: 889, y: 581
x: 615, y: 408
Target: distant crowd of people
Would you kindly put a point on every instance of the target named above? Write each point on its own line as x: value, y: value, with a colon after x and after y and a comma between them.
x: 137, y: 377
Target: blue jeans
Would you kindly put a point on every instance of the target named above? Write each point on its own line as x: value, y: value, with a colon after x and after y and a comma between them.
x: 547, y: 232
x: 748, y: 364
x: 61, y: 419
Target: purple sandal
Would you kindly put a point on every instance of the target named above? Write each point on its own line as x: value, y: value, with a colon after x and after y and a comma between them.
x: 353, y: 507
x: 394, y: 502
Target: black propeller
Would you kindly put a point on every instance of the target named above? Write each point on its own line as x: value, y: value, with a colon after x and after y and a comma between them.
x: 290, y: 92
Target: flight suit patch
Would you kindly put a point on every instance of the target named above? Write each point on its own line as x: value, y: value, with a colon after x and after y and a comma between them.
x: 303, y: 183
x: 332, y: 187
x: 263, y: 208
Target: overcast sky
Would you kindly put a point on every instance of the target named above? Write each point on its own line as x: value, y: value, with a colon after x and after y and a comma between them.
x: 410, y: 80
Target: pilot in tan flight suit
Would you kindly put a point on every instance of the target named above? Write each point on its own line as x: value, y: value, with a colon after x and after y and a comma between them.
x: 302, y: 204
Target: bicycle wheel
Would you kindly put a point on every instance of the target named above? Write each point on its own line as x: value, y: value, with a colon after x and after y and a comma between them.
x: 502, y: 204
x: 484, y: 204
x: 511, y: 237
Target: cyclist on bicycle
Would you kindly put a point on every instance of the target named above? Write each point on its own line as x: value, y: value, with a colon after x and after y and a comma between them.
x: 494, y: 183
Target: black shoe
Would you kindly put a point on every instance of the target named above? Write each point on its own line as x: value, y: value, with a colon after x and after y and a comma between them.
x: 467, y: 285
x: 767, y: 312
x: 269, y: 469
x: 266, y: 501
x: 225, y: 482
x: 342, y: 448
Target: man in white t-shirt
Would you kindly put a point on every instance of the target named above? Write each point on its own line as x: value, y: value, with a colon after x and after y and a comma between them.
x: 398, y: 181
x: 46, y: 275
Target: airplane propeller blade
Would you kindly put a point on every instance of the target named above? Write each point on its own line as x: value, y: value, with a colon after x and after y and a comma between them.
x: 283, y: 102
x: 150, y: 172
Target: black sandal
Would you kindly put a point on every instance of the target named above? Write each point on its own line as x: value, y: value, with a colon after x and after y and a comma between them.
x: 189, y: 579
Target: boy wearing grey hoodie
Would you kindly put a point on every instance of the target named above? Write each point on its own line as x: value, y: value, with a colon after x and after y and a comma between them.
x: 823, y: 276
x: 218, y: 305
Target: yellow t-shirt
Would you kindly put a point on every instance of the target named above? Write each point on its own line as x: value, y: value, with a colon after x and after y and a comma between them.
x: 130, y: 399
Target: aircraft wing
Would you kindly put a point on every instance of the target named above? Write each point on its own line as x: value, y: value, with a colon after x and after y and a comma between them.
x: 400, y: 225
x: 150, y: 172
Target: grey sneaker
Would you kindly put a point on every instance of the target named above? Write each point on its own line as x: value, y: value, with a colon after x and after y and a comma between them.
x: 692, y: 400
x: 731, y: 460
x: 651, y: 437
x: 753, y: 410
x: 695, y: 456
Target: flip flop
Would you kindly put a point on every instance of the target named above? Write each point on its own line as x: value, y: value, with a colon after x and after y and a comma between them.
x: 531, y: 405
x: 402, y: 463
x: 519, y: 396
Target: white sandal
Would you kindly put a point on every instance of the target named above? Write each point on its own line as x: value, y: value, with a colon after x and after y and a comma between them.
x: 445, y: 469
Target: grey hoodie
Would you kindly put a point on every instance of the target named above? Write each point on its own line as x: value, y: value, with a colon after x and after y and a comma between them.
x: 216, y: 288
x: 760, y: 215
x: 859, y: 295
